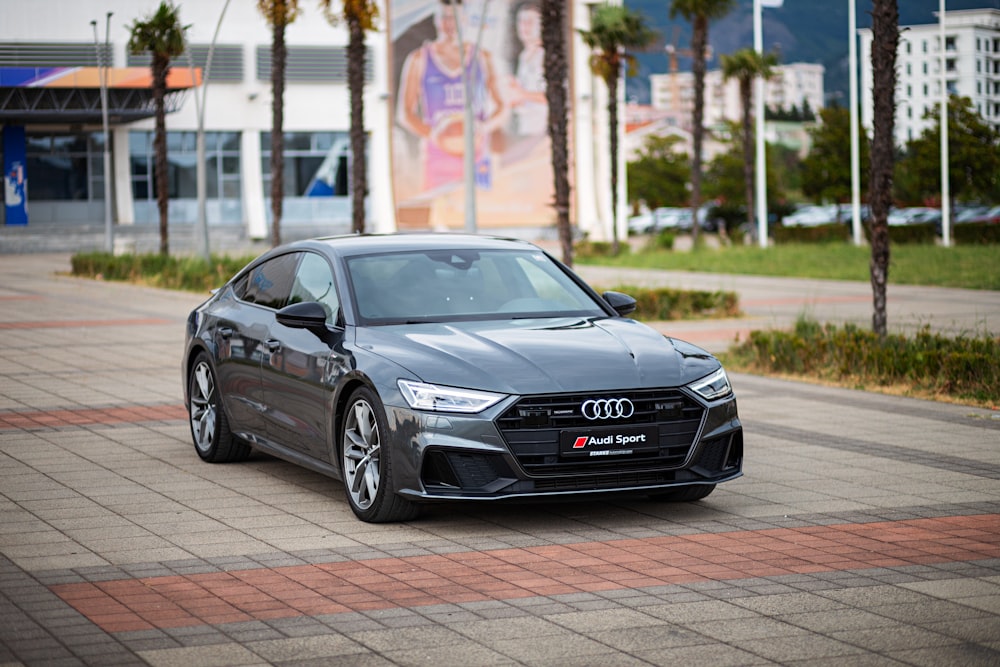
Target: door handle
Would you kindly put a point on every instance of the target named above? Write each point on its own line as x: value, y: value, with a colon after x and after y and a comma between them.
x: 272, y: 345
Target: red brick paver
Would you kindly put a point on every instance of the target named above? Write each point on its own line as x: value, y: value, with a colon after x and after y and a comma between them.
x: 63, y: 324
x: 505, y: 574
x: 34, y: 419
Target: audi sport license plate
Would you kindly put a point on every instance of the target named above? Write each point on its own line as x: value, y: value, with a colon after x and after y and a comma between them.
x: 609, y: 441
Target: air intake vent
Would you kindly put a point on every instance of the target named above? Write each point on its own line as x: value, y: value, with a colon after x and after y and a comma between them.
x: 227, y: 61
x: 53, y: 54
x: 325, y: 64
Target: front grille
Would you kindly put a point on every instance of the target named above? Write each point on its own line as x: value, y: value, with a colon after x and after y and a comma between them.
x: 532, y: 427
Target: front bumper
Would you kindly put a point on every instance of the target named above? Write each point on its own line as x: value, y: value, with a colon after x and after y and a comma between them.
x: 495, y: 456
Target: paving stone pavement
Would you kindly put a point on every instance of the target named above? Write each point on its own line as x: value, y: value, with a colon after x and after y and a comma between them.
x: 866, y: 530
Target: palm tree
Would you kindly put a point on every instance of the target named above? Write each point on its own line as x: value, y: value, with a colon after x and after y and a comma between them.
x: 885, y: 40
x: 699, y: 13
x: 614, y: 31
x: 745, y: 66
x: 162, y: 36
x: 360, y: 17
x: 279, y: 13
x: 556, y: 78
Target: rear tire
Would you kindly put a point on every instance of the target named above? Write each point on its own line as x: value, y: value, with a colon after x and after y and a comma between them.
x: 213, y: 440
x: 685, y: 494
x: 366, y: 462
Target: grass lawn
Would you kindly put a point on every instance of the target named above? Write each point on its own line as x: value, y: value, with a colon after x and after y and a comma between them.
x: 972, y: 267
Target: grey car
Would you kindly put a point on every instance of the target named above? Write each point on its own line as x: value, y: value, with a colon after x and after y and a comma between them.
x: 420, y: 368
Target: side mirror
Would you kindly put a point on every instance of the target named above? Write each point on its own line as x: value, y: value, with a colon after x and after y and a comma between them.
x: 304, y: 315
x: 622, y: 303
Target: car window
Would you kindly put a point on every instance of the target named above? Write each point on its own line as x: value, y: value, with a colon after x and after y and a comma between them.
x: 450, y: 285
x: 270, y: 283
x: 314, y: 282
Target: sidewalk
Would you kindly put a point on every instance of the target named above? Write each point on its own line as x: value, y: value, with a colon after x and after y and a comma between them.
x: 866, y: 530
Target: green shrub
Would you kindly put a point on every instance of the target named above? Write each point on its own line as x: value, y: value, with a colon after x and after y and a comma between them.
x: 965, y: 367
x: 976, y: 233
x: 661, y: 303
x: 817, y: 234
x: 662, y: 241
x: 585, y: 249
x: 185, y: 273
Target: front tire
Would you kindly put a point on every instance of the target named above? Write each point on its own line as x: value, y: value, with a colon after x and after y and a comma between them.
x: 366, y: 462
x: 213, y: 440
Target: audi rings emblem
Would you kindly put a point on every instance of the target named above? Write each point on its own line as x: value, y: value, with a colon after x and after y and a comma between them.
x: 607, y: 408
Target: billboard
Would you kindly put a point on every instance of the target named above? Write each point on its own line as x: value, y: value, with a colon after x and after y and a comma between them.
x: 503, y: 57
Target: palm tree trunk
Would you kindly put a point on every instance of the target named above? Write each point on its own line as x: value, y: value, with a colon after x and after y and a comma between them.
x: 554, y: 40
x: 160, y: 67
x: 885, y: 32
x: 278, y: 57
x: 356, y: 86
x: 699, y: 39
x: 613, y: 127
x: 746, y: 85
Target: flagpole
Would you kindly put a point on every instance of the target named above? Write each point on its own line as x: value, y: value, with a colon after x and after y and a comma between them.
x: 758, y: 45
x: 945, y: 174
x: 852, y: 29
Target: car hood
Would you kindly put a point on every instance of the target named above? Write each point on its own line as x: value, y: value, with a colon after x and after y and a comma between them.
x: 540, y: 355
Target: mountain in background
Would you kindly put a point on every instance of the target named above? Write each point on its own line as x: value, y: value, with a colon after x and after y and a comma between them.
x: 812, y: 31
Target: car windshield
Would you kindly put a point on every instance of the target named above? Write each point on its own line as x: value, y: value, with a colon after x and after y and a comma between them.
x: 449, y: 285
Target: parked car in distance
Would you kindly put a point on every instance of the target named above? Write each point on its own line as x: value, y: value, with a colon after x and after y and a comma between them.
x: 990, y: 215
x: 811, y: 216
x: 973, y: 214
x: 423, y: 368
x: 914, y: 215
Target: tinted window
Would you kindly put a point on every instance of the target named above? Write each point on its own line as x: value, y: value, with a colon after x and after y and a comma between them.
x: 314, y: 282
x: 270, y: 283
x: 464, y: 284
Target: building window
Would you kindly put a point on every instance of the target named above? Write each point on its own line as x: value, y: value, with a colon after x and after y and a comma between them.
x: 315, y: 164
x: 65, y: 167
x: 949, y: 43
x: 222, y: 162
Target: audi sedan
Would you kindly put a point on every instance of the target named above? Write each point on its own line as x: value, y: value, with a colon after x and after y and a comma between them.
x: 433, y: 367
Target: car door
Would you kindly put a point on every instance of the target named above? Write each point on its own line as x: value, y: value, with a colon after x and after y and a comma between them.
x: 296, y: 373
x: 242, y: 326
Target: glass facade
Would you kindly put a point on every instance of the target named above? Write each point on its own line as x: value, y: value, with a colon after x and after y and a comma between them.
x: 65, y: 167
x: 222, y: 181
x: 316, y: 182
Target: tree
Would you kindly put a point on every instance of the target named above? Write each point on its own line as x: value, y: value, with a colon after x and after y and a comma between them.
x: 725, y: 179
x: 279, y: 13
x: 659, y: 175
x: 556, y: 81
x: 614, y: 32
x: 163, y: 37
x: 745, y: 66
x: 699, y: 13
x: 974, y: 165
x: 826, y: 170
x: 360, y: 16
x: 885, y: 40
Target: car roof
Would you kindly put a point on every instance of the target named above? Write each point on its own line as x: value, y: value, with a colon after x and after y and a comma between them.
x: 379, y: 243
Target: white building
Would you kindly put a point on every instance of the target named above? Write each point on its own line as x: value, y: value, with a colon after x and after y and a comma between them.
x: 794, y: 84
x: 58, y: 124
x: 971, y: 69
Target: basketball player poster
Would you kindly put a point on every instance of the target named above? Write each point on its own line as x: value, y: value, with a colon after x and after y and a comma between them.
x: 503, y: 57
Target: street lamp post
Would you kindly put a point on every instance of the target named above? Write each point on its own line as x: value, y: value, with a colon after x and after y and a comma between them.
x: 102, y: 71
x: 469, y: 120
x: 758, y: 45
x: 945, y: 175
x: 202, y: 188
x: 852, y: 29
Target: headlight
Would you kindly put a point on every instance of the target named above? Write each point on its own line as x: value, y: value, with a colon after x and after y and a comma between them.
x: 713, y: 386
x: 422, y: 396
